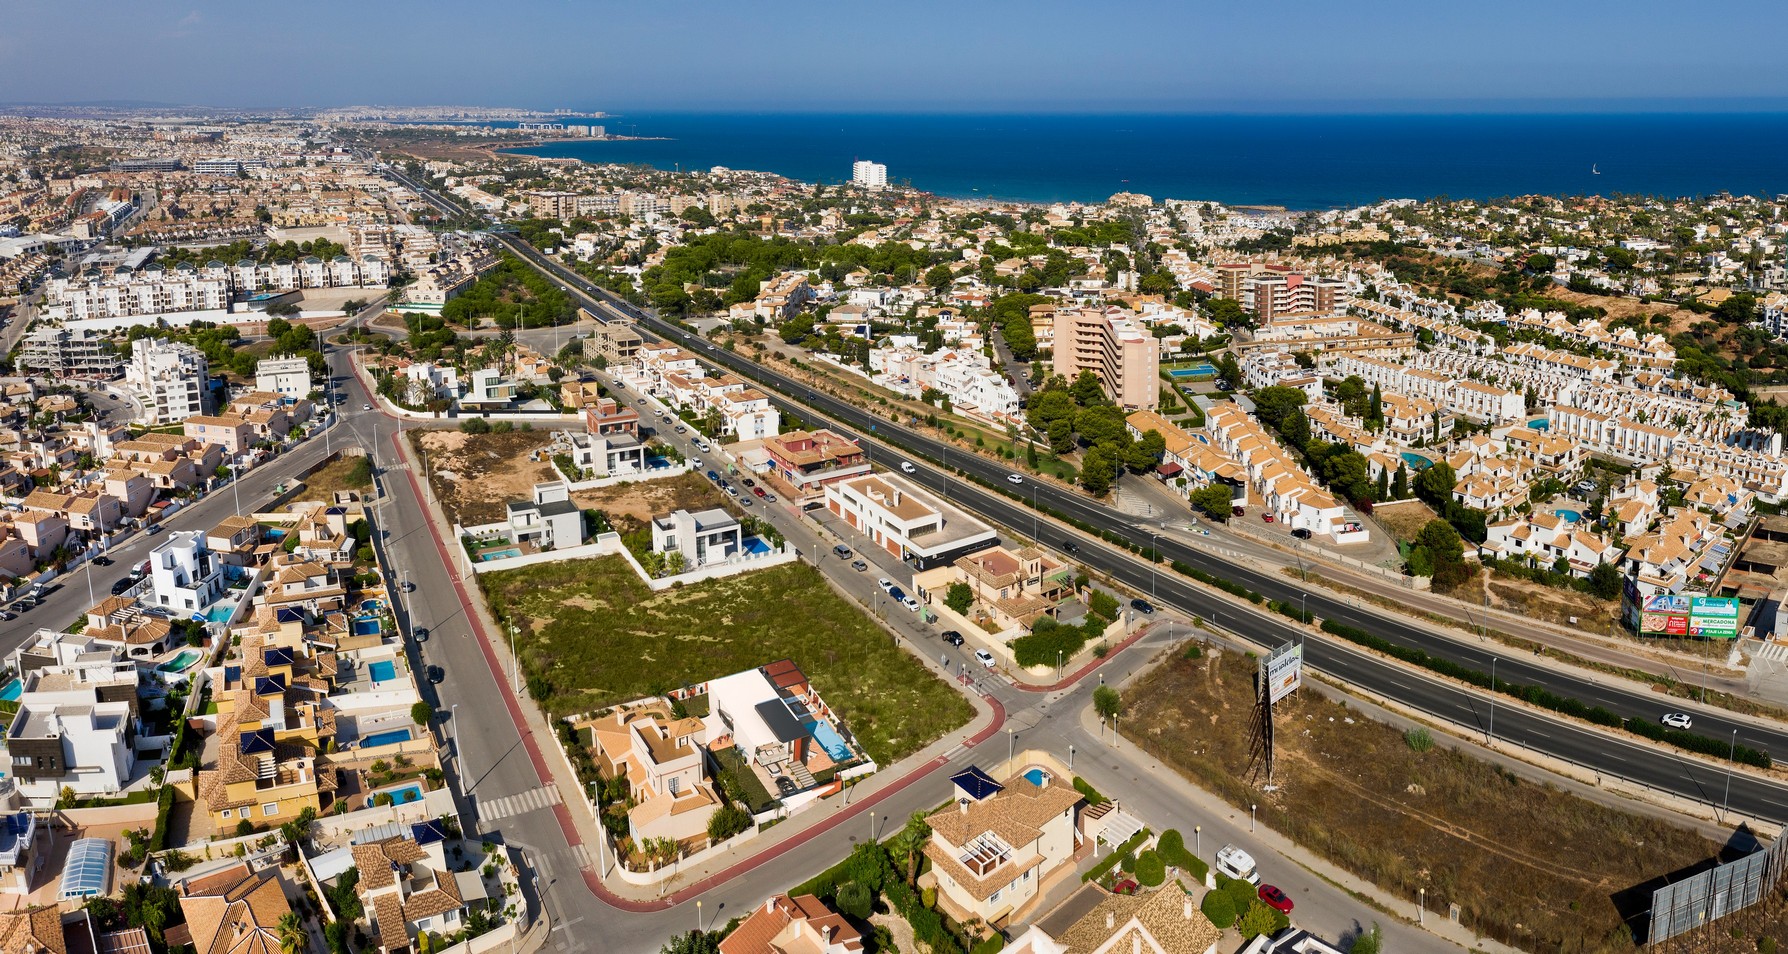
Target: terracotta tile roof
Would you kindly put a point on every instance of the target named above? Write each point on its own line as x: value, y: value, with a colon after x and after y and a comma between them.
x: 771, y: 927
x: 389, y: 912
x: 235, y: 912
x: 40, y: 928
x: 1167, y: 921
x: 375, y: 860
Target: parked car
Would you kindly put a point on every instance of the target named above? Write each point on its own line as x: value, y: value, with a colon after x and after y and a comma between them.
x: 154, y: 529
x: 906, y: 466
x: 8, y: 615
x: 759, y: 491
x: 896, y: 594
x: 1237, y: 512
x: 910, y: 603
x: 1014, y: 479
x: 1275, y: 899
x: 952, y: 637
x: 744, y: 501
x: 714, y: 476
x: 812, y: 505
x: 420, y: 634
x: 102, y: 561
x: 436, y: 674
x: 749, y: 482
x: 1302, y: 533
x: 985, y: 658
x: 859, y: 566
x: 682, y: 430
x: 732, y: 491
x: 119, y: 587
x: 1677, y: 720
x: 1142, y: 606
x: 769, y: 498
x: 842, y: 550
x: 1266, y: 518
x: 695, y: 463
x: 885, y: 583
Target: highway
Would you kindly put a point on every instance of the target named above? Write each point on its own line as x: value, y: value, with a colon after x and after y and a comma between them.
x: 1651, y: 765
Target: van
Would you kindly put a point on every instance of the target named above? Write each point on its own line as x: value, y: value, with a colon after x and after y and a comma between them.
x: 1238, y: 864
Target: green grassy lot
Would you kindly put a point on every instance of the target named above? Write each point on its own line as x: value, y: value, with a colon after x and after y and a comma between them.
x: 593, y: 635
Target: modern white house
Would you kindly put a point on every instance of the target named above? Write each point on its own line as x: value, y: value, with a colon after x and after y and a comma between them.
x: 704, y: 537
x: 607, y: 455
x: 288, y: 377
x: 550, y: 521
x: 184, y: 574
x: 75, y: 728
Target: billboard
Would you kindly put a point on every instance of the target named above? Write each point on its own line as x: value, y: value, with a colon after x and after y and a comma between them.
x: 1282, y: 671
x: 1701, y: 617
x: 1713, y: 617
x: 1716, y: 892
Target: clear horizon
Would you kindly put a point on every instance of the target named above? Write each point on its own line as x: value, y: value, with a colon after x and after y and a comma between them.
x: 1045, y: 56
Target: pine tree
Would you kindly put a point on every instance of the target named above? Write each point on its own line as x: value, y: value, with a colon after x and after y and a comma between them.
x: 1400, y: 485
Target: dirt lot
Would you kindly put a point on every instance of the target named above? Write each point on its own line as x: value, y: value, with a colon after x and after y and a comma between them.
x: 1358, y: 793
x: 343, y: 473
x: 1404, y: 520
x: 476, y: 475
x: 631, y: 505
x: 1549, y: 604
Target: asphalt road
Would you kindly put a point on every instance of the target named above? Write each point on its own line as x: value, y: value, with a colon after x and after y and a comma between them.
x: 1650, y: 765
x: 1051, y: 721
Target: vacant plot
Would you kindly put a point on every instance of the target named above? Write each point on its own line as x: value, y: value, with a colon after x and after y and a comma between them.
x: 1552, y: 604
x: 475, y: 475
x: 342, y: 473
x: 1527, y: 864
x: 632, y: 504
x: 593, y: 635
x: 1403, y: 520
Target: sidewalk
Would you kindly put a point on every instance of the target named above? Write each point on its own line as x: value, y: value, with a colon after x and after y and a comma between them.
x: 573, y: 814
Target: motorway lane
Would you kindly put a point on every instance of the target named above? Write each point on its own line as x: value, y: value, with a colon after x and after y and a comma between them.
x: 1650, y: 764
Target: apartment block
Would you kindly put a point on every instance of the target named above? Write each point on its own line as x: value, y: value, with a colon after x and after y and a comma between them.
x: 172, y: 380
x: 1124, y: 356
x: 287, y: 377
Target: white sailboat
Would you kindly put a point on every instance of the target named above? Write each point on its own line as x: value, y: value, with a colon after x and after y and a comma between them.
x: 1593, y: 170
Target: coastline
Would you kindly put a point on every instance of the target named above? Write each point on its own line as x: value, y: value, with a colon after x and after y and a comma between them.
x: 1306, y: 162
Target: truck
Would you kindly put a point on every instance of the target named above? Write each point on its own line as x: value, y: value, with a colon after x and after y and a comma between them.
x: 1238, y: 864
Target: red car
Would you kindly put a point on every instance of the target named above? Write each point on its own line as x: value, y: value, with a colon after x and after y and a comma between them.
x: 1275, y: 898
x: 1267, y: 517
x: 759, y: 491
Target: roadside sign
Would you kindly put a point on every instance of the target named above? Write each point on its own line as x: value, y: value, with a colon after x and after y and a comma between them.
x: 1282, y: 670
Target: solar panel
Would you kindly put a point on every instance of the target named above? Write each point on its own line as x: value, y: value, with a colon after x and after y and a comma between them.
x: 427, y: 832
x: 88, y: 869
x: 270, y: 685
x: 257, y: 742
x: 278, y: 656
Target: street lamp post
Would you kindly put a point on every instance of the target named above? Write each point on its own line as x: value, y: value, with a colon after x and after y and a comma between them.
x: 1251, y: 808
x: 1491, y: 736
x: 1732, y: 756
x: 1198, y: 839
x: 1421, y: 906
x: 1070, y: 756
x: 1009, y: 742
x: 872, y: 826
x: 698, y: 917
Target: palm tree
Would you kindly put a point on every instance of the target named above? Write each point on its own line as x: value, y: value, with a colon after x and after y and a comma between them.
x: 910, y: 842
x: 292, y: 937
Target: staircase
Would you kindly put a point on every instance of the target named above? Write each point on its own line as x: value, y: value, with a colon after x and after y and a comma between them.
x: 797, y: 771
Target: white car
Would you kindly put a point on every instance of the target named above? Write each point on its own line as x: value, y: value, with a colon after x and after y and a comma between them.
x: 885, y: 583
x: 366, y: 407
x: 1677, y: 720
x: 906, y: 466
x: 695, y: 462
x: 1014, y: 479
x: 911, y: 604
x: 985, y: 658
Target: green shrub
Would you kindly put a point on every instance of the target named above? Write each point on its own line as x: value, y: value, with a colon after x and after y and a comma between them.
x: 1098, y: 871
x: 1418, y: 739
x: 1150, y: 869
x: 1258, y: 919
x: 854, y: 900
x: 1088, y: 792
x: 1219, y: 909
x: 991, y: 945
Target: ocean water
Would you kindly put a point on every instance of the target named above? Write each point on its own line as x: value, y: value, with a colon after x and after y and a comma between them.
x: 1302, y: 162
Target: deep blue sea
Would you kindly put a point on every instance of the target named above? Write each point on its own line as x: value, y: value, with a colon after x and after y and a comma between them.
x: 1302, y: 162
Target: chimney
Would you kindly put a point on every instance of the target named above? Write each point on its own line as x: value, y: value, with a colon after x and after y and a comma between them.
x: 962, y: 804
x: 770, y: 905
x: 1186, y: 909
x: 1110, y: 920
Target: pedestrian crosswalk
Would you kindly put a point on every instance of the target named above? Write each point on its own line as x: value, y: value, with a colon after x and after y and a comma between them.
x: 520, y: 803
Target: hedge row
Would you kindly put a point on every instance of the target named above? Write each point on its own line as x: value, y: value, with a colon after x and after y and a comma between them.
x: 1172, y: 849
x: 164, y: 805
x: 1546, y: 699
x: 1228, y: 586
x: 1098, y: 871
x: 1091, y: 794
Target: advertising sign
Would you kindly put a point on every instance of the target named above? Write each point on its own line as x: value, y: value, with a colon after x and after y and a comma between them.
x: 1282, y: 670
x: 1713, y: 617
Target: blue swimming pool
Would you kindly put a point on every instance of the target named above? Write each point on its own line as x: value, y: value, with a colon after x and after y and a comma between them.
x: 1036, y: 776
x: 1568, y: 516
x: 382, y: 671
x: 366, y: 626
x: 181, y: 662
x: 1540, y: 424
x: 756, y: 546
x: 502, y: 554
x: 829, y: 739
x: 219, y: 614
x: 12, y: 691
x: 657, y: 463
x: 1416, y: 461
x: 274, y: 533
x: 385, y: 738
x: 1196, y: 371
x: 371, y: 606
x: 400, y: 795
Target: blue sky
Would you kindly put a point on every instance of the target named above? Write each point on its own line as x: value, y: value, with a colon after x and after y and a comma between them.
x: 962, y: 55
